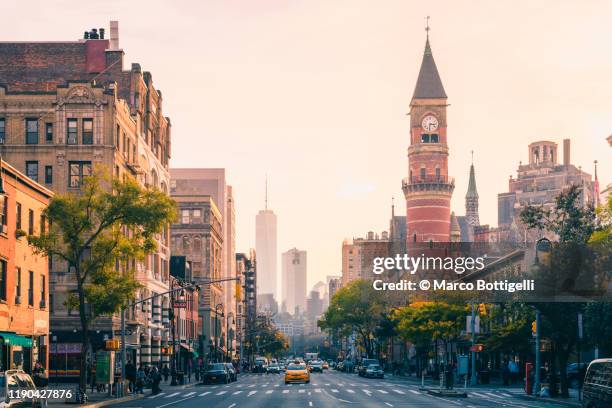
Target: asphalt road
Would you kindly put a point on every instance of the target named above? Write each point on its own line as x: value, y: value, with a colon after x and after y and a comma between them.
x: 330, y: 390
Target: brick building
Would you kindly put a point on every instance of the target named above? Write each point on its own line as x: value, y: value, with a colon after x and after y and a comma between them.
x: 428, y: 187
x: 66, y: 107
x: 24, y: 278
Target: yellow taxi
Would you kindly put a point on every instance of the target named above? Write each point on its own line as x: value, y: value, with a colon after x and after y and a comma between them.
x: 297, y: 372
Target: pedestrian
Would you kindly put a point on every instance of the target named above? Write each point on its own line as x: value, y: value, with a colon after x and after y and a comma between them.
x: 156, y: 379
x: 130, y: 375
x: 513, y: 367
x: 449, y: 373
x: 140, y: 380
x: 166, y: 372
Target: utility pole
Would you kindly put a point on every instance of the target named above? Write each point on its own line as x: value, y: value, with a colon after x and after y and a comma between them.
x: 473, y: 329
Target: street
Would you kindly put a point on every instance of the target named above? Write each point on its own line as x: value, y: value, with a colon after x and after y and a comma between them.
x: 329, y: 389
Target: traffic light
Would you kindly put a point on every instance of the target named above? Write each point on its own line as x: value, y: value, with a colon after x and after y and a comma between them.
x: 112, y: 344
x: 534, y: 327
x: 482, y: 309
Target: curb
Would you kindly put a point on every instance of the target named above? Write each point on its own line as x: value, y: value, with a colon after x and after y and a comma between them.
x: 553, y: 400
x: 113, y: 401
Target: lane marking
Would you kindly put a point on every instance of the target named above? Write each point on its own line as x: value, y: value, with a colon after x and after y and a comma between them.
x: 415, y: 392
x: 310, y: 403
x: 478, y: 395
x: 285, y: 391
x: 399, y: 392
x: 368, y: 392
x: 174, y: 402
x: 221, y: 393
x: 232, y: 406
x: 351, y: 391
x: 204, y: 393
x: 251, y: 393
x: 157, y: 395
x: 190, y: 393
x: 237, y: 392
x: 269, y: 391
x: 492, y: 395
x: 388, y: 404
x: 382, y: 391
x: 317, y: 390
x: 301, y: 391
x: 172, y: 395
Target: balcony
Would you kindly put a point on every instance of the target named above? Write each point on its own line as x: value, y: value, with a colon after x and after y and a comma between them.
x: 428, y: 183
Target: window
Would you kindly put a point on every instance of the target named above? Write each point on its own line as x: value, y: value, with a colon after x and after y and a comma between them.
x: 48, y: 174
x: 18, y: 216
x: 437, y: 173
x: 4, y: 214
x: 78, y: 171
x: 31, y: 289
x: 18, y: 285
x: 43, y: 290
x: 117, y: 137
x: 43, y: 224
x: 32, y: 170
x: 72, y: 132
x: 434, y: 138
x: 87, y: 131
x: 30, y: 222
x: 48, y: 132
x: 423, y: 173
x: 196, y: 215
x: 2, y: 130
x: 424, y: 138
x: 184, y: 216
x: 3, y: 267
x: 31, y: 131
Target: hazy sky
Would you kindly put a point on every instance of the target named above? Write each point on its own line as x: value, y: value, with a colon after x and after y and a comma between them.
x: 315, y: 93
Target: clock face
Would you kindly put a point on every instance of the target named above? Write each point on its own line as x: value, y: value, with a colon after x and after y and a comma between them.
x: 430, y: 123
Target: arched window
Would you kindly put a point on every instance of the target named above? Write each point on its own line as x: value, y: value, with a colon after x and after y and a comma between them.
x: 186, y: 243
x: 422, y: 173
x: 434, y: 138
x: 424, y: 138
x: 438, y: 173
x: 197, y: 244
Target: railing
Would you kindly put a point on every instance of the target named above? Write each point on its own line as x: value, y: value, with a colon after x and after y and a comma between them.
x: 428, y: 179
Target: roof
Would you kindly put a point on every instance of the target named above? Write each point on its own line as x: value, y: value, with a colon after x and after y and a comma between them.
x: 471, y: 192
x: 429, y: 85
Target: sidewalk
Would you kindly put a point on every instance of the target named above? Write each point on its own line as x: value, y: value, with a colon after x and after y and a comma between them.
x: 101, y: 399
x: 516, y: 390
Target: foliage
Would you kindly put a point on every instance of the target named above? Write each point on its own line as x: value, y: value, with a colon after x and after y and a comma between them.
x: 598, y: 326
x: 512, y: 326
x: 357, y: 308
x: 270, y: 341
x: 422, y: 322
x: 98, y: 233
x: 603, y: 233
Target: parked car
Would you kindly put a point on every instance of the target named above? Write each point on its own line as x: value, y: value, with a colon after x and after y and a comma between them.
x: 597, y: 388
x: 363, y: 365
x: 574, y: 371
x: 216, y: 373
x: 374, y: 371
x: 232, y: 371
x: 13, y: 383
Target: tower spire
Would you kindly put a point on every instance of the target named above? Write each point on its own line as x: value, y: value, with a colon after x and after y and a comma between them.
x: 471, y: 197
x: 429, y: 85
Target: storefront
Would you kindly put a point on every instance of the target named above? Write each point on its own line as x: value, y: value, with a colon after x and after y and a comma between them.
x: 17, y: 352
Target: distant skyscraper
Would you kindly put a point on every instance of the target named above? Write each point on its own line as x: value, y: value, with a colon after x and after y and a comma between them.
x: 293, y: 280
x: 265, y: 247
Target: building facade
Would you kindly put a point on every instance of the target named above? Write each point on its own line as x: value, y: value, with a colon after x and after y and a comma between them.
x: 266, y: 248
x: 67, y: 107
x: 293, y: 278
x: 428, y: 187
x: 24, y: 277
x: 198, y: 235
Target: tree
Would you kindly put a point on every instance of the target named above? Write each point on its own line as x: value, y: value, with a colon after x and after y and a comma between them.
x: 603, y: 232
x: 427, y: 321
x: 573, y: 224
x: 270, y: 341
x: 357, y: 308
x: 96, y: 233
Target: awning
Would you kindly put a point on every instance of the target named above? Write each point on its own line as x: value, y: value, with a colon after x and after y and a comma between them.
x: 195, y: 354
x: 12, y: 339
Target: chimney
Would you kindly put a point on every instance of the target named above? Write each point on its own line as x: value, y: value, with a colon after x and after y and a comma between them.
x: 566, y: 152
x: 114, y: 35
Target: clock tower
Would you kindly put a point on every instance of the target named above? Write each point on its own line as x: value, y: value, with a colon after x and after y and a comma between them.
x: 428, y: 188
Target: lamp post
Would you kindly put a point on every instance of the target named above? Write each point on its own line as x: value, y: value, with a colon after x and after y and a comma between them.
x: 216, y: 345
x: 227, y: 336
x: 543, y: 245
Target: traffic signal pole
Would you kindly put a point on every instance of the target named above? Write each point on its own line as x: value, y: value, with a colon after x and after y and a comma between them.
x: 536, y: 385
x: 473, y: 329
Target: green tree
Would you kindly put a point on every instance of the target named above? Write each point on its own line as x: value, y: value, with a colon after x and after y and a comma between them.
x: 603, y: 232
x: 357, y: 308
x: 426, y: 321
x: 270, y: 341
x: 96, y: 233
x: 573, y: 224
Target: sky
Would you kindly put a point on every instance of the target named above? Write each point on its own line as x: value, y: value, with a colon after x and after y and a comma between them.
x: 315, y: 94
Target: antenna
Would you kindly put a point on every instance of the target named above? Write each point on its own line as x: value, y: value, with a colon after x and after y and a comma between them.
x: 472, y: 151
x: 427, y: 26
x: 266, y: 191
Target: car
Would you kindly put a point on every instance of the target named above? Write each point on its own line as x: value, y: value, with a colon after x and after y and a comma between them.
x: 15, y: 384
x: 261, y: 365
x: 232, y: 371
x: 297, y: 373
x: 364, y: 365
x: 316, y: 366
x: 325, y: 365
x: 274, y: 369
x: 374, y: 371
x: 597, y: 387
x: 216, y: 373
x: 574, y: 371
x: 339, y: 366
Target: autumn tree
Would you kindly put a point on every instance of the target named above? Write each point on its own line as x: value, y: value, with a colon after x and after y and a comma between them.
x: 96, y: 233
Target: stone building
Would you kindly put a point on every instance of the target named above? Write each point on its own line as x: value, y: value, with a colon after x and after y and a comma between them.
x: 65, y: 108
x: 358, y: 255
x: 198, y: 235
x: 24, y: 277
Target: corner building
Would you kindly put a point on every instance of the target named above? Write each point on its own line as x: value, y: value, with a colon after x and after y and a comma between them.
x: 428, y: 188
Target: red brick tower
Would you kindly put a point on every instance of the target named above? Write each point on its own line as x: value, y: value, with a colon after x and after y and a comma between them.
x: 428, y: 189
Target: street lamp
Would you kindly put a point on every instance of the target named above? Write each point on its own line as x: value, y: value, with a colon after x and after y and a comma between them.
x: 227, y: 336
x: 216, y: 345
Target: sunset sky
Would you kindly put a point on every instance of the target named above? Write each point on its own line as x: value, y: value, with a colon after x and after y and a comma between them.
x: 315, y: 94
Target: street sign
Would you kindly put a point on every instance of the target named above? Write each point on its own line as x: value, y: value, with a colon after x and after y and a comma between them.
x: 580, y: 326
x: 468, y: 324
x: 462, y: 365
x: 105, y: 367
x: 180, y: 304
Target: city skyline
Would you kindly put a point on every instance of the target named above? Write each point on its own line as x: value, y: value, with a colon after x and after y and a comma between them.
x: 321, y: 108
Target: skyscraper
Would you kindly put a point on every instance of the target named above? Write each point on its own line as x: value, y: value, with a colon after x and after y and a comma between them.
x: 293, y: 280
x: 266, y: 249
x: 428, y: 188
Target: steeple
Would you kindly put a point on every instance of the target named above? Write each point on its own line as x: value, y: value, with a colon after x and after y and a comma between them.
x: 429, y: 85
x: 471, y: 198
